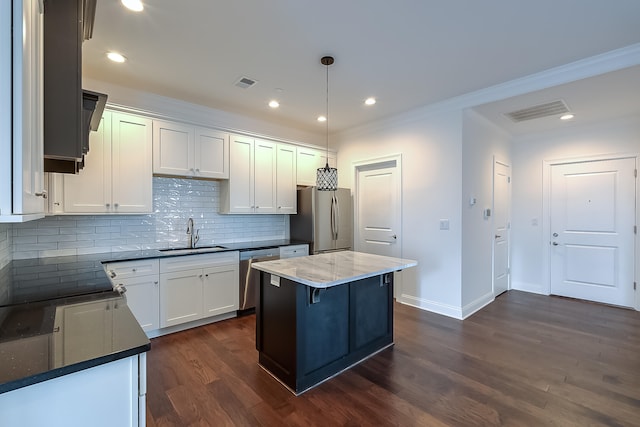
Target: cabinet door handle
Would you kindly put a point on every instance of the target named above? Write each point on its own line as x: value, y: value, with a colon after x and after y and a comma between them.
x: 42, y: 194
x: 112, y: 274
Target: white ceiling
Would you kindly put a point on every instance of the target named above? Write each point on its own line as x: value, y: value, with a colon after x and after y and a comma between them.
x: 407, y: 53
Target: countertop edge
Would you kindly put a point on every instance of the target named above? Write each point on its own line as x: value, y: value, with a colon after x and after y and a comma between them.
x: 76, y: 367
x: 277, y: 268
x: 325, y: 285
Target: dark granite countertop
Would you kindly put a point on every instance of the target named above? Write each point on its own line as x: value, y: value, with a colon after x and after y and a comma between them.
x: 46, y: 303
x: 223, y: 247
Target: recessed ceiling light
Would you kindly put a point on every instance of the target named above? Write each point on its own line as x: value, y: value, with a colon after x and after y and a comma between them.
x: 567, y: 117
x: 134, y: 5
x: 116, y: 57
x: 322, y: 119
x: 370, y: 101
x: 274, y: 104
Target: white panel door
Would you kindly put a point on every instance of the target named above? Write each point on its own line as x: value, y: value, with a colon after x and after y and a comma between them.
x: 378, y: 209
x: 501, y: 219
x: 592, y: 230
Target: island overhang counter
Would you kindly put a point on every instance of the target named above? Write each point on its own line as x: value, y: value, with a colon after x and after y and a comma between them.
x: 321, y: 314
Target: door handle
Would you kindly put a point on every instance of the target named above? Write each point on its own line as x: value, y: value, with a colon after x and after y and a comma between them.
x: 498, y: 236
x: 555, y: 243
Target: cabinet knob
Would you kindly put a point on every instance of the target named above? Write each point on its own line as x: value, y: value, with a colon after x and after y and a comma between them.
x: 206, y: 275
x: 155, y: 282
x: 108, y: 205
x: 115, y: 205
x: 197, y: 170
x: 112, y: 274
x: 134, y: 270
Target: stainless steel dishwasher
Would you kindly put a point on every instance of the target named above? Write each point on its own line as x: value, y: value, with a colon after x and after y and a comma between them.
x: 250, y: 278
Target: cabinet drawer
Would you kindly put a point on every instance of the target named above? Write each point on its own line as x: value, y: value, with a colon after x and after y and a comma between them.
x: 294, y: 251
x: 128, y: 269
x: 187, y: 262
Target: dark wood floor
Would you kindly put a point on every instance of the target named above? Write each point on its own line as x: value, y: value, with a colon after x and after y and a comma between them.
x: 524, y: 360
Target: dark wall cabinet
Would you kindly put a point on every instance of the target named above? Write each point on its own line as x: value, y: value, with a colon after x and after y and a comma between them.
x: 305, y: 335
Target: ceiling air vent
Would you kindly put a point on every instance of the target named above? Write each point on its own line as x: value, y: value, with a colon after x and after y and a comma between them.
x: 245, y: 82
x: 553, y: 108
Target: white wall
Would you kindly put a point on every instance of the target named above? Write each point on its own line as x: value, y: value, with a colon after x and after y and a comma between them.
x: 431, y: 149
x: 621, y: 136
x: 481, y: 142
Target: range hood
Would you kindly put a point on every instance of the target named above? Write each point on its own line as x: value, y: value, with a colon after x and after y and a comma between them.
x: 70, y: 113
x: 68, y: 156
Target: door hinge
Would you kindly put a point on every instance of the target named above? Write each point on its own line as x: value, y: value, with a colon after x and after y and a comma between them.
x: 508, y: 180
x: 635, y: 229
x: 634, y: 286
x: 635, y: 173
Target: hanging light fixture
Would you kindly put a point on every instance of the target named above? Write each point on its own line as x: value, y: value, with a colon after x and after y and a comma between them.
x: 326, y: 177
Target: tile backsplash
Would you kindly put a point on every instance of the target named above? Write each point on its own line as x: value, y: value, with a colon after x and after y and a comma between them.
x: 174, y: 202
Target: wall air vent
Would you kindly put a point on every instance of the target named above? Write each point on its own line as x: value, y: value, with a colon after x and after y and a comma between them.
x: 245, y: 82
x: 553, y: 108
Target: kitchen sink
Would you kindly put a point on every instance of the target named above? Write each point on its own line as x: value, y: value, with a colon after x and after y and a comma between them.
x: 198, y: 250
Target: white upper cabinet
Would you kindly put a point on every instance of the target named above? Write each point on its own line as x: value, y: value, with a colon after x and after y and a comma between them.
x: 265, y: 177
x: 286, y: 197
x: 21, y: 101
x: 211, y: 153
x: 184, y: 150
x: 117, y: 176
x: 308, y: 162
x: 252, y: 177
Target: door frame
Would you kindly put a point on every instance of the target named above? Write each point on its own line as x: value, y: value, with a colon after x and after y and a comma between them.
x: 376, y: 163
x: 493, y: 227
x: 546, y: 212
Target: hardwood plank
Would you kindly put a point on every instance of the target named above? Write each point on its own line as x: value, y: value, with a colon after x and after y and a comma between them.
x: 524, y: 360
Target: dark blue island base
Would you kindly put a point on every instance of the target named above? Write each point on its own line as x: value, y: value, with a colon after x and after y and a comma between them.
x: 305, y: 335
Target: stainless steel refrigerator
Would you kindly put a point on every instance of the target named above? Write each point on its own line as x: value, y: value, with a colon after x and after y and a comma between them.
x: 324, y: 218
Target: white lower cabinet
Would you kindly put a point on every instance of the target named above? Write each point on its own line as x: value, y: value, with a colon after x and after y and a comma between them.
x: 141, y: 279
x: 181, y: 297
x: 112, y: 394
x: 198, y: 286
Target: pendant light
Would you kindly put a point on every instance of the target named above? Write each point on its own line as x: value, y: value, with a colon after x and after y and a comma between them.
x: 326, y: 177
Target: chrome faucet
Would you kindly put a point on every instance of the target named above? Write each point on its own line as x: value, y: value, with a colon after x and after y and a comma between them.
x: 193, y: 238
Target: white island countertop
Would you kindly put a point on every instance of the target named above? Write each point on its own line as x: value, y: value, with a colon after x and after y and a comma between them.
x: 333, y: 268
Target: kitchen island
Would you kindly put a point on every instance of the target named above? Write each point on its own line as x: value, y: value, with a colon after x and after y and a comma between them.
x: 321, y: 314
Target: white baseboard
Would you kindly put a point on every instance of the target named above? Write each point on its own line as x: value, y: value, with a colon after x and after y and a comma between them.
x: 476, y: 305
x: 535, y: 288
x: 433, y: 306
